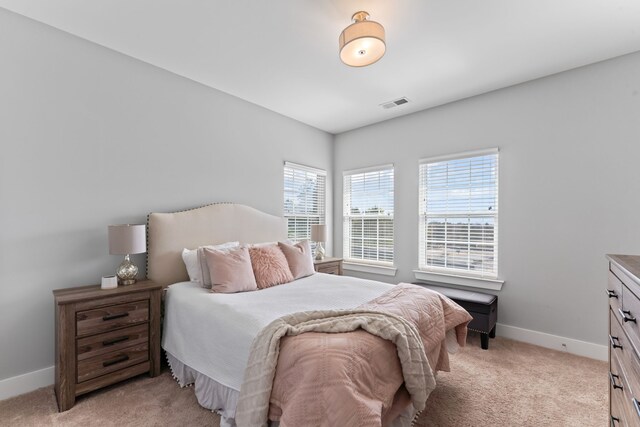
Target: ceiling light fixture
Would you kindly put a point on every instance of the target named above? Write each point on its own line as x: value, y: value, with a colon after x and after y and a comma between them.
x: 362, y: 43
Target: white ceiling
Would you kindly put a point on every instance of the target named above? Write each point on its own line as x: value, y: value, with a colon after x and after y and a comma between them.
x: 283, y: 54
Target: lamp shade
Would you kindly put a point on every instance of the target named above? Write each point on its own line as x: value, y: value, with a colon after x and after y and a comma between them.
x: 127, y: 239
x: 319, y: 232
x: 363, y: 42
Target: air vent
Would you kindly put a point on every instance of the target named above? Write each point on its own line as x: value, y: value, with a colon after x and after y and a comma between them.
x: 392, y: 104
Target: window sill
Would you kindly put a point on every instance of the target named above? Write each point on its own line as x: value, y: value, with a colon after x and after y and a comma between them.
x: 369, y: 268
x: 452, y: 279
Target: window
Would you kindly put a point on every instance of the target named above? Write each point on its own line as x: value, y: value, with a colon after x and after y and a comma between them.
x: 459, y: 214
x: 304, y: 199
x: 368, y: 216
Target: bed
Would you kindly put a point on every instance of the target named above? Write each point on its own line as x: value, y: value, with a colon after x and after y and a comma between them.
x: 210, y: 338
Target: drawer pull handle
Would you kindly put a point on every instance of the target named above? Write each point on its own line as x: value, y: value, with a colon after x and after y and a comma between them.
x: 119, y: 359
x: 114, y: 316
x: 612, y: 378
x: 626, y: 315
x: 636, y: 405
x: 611, y: 294
x: 113, y: 341
x: 613, y: 341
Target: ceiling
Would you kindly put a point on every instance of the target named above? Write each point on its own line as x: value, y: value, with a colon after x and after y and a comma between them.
x: 283, y: 54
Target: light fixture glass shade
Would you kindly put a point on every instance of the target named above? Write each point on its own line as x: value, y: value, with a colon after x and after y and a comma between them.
x: 362, y: 43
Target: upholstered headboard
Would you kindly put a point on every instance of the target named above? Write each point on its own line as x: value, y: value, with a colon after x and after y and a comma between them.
x: 169, y: 233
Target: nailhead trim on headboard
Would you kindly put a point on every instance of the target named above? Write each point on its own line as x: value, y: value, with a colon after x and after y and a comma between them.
x: 146, y: 267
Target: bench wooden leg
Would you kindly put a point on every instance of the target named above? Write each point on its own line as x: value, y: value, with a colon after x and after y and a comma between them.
x: 492, y: 332
x: 484, y: 341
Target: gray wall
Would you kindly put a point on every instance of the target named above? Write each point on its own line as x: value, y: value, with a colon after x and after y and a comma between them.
x: 569, y: 186
x: 90, y: 137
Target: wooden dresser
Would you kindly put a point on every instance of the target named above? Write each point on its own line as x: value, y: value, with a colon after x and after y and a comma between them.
x: 623, y: 291
x: 105, y: 336
x: 328, y: 265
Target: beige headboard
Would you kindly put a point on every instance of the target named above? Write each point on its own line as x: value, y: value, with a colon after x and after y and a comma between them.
x: 169, y: 233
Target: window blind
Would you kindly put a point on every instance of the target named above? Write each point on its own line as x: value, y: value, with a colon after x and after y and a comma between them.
x: 458, y: 207
x: 304, y: 199
x: 368, y: 215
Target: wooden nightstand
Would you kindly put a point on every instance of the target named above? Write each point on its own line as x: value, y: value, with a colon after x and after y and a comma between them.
x: 328, y: 265
x: 105, y: 336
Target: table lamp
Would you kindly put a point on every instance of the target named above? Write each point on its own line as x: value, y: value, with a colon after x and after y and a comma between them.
x: 319, y: 235
x: 127, y: 239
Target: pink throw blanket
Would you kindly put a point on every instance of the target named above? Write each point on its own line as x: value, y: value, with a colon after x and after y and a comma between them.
x: 355, y: 378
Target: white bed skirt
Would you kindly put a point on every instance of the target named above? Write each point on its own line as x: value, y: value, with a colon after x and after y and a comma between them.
x: 210, y: 393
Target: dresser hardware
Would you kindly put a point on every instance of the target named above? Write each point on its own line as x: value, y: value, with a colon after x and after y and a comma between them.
x: 113, y: 341
x: 119, y: 359
x: 636, y: 405
x: 613, y: 341
x: 611, y: 294
x: 114, y: 316
x: 612, y: 378
x: 624, y: 314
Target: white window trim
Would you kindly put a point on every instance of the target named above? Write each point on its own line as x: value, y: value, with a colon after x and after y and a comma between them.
x: 451, y: 276
x: 368, y: 169
x: 325, y: 212
x: 369, y: 268
x: 462, y: 155
x: 455, y: 279
x: 305, y: 168
x: 361, y: 265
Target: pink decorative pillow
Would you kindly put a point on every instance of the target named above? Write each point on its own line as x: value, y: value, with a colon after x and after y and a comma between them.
x: 270, y: 267
x: 230, y: 270
x: 299, y: 258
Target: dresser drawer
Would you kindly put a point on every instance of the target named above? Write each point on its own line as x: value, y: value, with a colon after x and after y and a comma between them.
x: 112, y: 317
x: 112, y: 361
x: 624, y: 353
x: 614, y: 291
x: 630, y: 316
x: 107, y: 342
x: 616, y: 391
x: 620, y: 274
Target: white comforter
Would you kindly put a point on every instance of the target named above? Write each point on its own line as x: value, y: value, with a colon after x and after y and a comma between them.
x: 212, y: 333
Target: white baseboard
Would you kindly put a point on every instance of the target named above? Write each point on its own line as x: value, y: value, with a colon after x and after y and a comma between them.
x: 554, y: 342
x: 25, y: 383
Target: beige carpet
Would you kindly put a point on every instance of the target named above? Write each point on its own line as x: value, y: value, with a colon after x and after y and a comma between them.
x: 511, y: 384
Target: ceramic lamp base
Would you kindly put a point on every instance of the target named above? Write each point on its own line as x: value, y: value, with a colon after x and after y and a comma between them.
x: 319, y: 251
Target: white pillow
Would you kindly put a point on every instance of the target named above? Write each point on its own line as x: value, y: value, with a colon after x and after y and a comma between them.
x: 197, y: 265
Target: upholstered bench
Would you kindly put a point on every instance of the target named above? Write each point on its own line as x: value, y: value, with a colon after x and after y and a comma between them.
x: 483, y: 307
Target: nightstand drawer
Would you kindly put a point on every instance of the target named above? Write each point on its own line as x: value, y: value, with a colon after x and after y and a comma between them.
x: 96, y: 345
x: 333, y: 268
x: 113, y: 361
x: 328, y: 265
x: 112, y: 317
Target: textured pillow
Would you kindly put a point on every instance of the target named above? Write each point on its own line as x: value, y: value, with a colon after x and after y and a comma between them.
x: 270, y: 267
x: 299, y: 258
x: 263, y: 244
x: 197, y: 266
x: 230, y: 270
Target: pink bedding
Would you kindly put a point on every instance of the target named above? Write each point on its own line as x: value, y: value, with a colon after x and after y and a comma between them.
x: 355, y: 378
